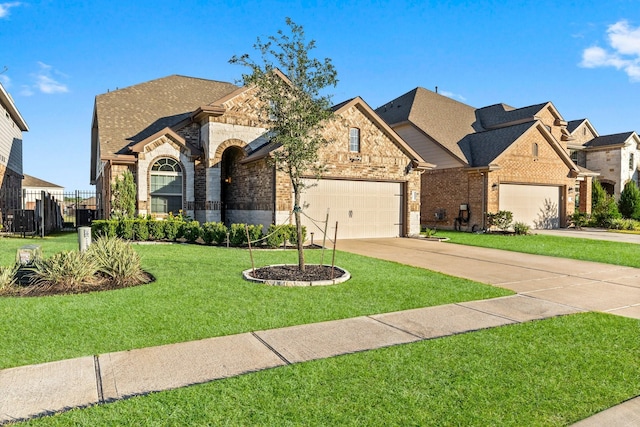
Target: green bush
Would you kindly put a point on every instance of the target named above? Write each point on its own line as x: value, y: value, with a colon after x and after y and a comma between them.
x: 292, y: 234
x: 214, y: 232
x: 276, y: 235
x: 102, y: 227
x: 124, y: 229
x: 520, y: 228
x: 238, y: 234
x: 625, y: 224
x: 173, y: 228
x: 629, y: 203
x: 117, y: 260
x: 68, y: 270
x: 140, y: 230
x: 500, y: 219
x: 156, y: 230
x: 605, y: 212
x: 579, y: 219
x: 191, y: 231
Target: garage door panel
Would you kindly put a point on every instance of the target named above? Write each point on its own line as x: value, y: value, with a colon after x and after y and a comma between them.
x: 361, y: 208
x: 535, y: 205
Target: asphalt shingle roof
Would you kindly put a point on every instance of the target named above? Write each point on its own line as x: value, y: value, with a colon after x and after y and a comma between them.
x: 615, y: 139
x: 32, y: 181
x: 482, y: 148
x: 499, y: 114
x: 129, y: 115
x: 445, y: 120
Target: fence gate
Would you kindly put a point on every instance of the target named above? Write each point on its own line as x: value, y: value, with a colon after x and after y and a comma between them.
x: 40, y: 212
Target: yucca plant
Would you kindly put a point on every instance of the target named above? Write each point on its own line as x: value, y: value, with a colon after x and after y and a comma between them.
x: 118, y: 261
x: 64, y: 272
x: 7, y: 276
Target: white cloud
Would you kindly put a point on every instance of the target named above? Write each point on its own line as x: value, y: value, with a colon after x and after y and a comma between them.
x: 5, y: 7
x: 45, y: 82
x: 5, y: 80
x: 452, y: 95
x: 624, y: 52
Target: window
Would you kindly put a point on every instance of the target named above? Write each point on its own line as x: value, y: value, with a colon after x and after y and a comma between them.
x: 632, y: 164
x: 166, y: 186
x: 574, y: 156
x: 354, y: 140
x: 534, y: 150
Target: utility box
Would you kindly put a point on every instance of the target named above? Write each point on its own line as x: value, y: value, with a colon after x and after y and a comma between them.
x: 84, y: 238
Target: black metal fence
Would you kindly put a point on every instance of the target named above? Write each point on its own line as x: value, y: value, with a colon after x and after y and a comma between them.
x: 41, y: 212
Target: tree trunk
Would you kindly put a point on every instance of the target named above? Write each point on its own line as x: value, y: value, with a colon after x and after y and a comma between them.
x: 296, y: 212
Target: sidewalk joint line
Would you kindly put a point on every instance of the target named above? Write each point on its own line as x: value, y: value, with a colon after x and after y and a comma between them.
x: 96, y: 365
x: 266, y: 344
x: 460, y: 304
x: 396, y: 328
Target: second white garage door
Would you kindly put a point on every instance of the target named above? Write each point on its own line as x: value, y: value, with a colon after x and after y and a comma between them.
x: 362, y: 208
x: 535, y: 205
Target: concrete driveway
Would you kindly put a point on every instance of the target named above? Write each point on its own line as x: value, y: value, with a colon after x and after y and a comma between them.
x: 580, y: 284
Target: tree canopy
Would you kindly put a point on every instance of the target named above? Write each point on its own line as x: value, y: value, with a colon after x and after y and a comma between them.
x: 291, y: 87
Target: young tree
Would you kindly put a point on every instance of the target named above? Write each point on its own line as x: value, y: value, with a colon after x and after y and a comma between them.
x: 294, y: 105
x: 123, y: 196
x: 629, y: 203
x: 603, y: 207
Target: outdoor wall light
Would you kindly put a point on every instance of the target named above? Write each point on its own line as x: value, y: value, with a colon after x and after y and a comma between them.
x: 228, y: 180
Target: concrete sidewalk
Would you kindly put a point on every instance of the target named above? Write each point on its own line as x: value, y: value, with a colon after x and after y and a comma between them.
x: 546, y: 287
x: 33, y: 390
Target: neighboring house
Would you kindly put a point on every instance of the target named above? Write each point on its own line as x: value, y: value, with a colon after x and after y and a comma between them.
x: 33, y: 187
x: 196, y: 146
x: 490, y: 159
x: 615, y: 157
x: 11, y: 127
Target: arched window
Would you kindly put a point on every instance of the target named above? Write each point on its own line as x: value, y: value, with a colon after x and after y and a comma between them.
x: 166, y: 186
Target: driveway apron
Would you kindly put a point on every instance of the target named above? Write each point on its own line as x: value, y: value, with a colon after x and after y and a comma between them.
x: 583, y: 285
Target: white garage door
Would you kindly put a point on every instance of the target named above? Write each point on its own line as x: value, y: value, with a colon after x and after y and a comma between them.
x: 361, y: 208
x: 535, y: 205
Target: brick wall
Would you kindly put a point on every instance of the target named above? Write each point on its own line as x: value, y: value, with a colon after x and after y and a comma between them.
x: 447, y: 189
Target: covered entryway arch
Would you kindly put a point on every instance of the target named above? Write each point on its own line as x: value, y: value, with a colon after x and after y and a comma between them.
x: 230, y: 185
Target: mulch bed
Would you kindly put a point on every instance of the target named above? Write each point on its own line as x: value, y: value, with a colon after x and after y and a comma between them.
x: 292, y: 273
x: 45, y: 289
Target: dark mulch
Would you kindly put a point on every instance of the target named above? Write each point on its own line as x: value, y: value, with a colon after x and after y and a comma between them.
x: 96, y: 285
x: 293, y: 273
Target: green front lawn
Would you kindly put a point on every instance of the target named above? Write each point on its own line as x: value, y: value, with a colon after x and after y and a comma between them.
x: 200, y: 293
x: 564, y: 247
x: 546, y: 373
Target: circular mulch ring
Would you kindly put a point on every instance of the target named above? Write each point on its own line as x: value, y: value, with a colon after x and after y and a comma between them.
x: 290, y: 275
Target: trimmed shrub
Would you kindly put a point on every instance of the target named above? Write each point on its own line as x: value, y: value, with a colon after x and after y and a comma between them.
x: 191, y: 231
x: 500, y: 219
x: 173, y: 228
x: 238, y: 234
x: 214, y: 232
x: 276, y: 235
x: 156, y: 230
x: 124, y: 229
x: 292, y: 234
x: 140, y: 230
x: 605, y: 212
x: 117, y: 260
x: 102, y: 227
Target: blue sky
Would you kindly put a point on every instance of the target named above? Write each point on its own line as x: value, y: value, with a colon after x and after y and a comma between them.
x: 584, y: 56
